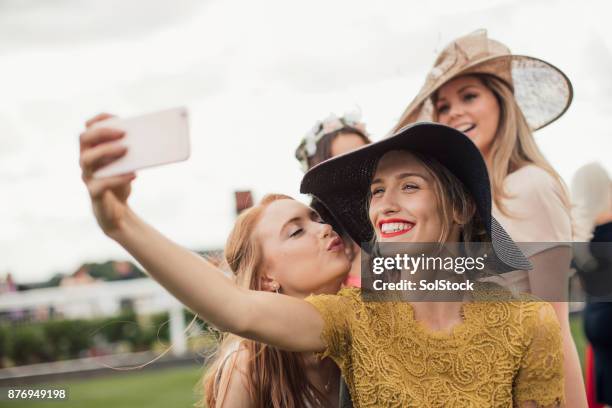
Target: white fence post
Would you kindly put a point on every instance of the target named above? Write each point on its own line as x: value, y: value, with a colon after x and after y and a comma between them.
x: 178, y: 338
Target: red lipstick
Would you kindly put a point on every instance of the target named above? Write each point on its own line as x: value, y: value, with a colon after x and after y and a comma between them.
x: 394, y: 221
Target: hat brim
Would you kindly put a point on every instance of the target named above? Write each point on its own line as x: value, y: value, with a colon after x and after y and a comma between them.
x: 342, y: 183
x: 542, y: 91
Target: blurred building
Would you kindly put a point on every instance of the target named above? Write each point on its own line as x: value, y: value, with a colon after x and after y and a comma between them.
x: 244, y: 200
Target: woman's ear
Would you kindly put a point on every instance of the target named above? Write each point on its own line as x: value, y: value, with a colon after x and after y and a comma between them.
x: 269, y: 284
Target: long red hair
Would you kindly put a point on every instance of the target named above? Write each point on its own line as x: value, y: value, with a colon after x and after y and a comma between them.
x: 276, y: 378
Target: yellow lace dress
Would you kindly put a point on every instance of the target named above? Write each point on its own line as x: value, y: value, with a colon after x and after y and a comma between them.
x: 502, y: 354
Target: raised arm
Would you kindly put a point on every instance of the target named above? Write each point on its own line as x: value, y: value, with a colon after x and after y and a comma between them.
x: 282, y: 321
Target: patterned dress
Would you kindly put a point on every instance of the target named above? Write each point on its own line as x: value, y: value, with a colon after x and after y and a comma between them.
x: 503, y: 353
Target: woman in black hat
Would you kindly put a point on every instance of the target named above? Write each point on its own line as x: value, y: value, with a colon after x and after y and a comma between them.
x: 429, y: 183
x: 395, y: 354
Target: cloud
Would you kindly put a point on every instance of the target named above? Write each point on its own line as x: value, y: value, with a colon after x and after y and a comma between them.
x: 66, y: 23
x: 11, y: 139
x: 255, y: 76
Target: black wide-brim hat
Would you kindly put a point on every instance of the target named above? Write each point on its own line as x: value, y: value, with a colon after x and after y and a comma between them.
x: 342, y: 184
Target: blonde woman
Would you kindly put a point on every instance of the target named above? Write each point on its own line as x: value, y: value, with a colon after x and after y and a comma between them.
x: 517, y: 359
x: 498, y: 99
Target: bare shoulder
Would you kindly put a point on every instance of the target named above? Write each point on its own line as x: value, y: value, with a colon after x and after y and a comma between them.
x: 232, y: 379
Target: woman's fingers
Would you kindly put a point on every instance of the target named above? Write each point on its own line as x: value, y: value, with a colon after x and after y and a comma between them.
x: 97, y: 187
x: 99, y: 147
x: 93, y: 137
x: 96, y: 157
x: 99, y: 117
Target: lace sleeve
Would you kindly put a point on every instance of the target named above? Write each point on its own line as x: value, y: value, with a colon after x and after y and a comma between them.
x: 336, y: 311
x: 540, y: 377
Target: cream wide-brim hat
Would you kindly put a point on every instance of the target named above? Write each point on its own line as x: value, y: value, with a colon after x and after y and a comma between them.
x: 542, y: 91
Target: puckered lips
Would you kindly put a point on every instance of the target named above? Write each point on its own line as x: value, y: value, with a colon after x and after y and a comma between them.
x: 335, y: 244
x: 392, y: 227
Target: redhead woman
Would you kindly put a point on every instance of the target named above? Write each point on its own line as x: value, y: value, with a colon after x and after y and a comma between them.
x: 246, y: 373
x: 383, y: 349
x: 498, y: 100
x: 329, y: 138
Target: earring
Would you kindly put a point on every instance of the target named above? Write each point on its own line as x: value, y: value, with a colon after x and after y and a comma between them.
x: 276, y: 287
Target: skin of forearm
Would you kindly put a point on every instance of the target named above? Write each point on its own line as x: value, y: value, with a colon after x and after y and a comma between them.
x: 575, y: 395
x: 256, y: 315
x: 189, y: 277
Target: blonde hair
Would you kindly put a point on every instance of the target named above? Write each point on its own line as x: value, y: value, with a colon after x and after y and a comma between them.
x: 455, y: 203
x: 275, y: 378
x: 514, y: 145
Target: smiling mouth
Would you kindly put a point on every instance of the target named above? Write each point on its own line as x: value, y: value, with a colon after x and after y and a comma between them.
x: 466, y: 128
x: 393, y: 228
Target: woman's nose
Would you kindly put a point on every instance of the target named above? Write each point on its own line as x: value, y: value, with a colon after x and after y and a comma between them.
x: 389, y: 204
x: 325, y: 230
x: 455, y: 111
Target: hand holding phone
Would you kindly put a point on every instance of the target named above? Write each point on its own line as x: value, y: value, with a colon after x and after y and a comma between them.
x: 151, y: 140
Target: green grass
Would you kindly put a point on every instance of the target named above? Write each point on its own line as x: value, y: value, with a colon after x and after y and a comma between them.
x: 579, y: 337
x: 163, y: 388
x: 172, y: 387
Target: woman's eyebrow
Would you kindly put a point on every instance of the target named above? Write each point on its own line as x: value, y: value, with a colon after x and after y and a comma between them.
x: 400, y: 176
x: 410, y: 174
x: 466, y: 87
x: 441, y: 98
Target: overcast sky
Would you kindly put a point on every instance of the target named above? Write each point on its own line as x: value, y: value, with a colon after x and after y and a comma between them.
x: 255, y: 76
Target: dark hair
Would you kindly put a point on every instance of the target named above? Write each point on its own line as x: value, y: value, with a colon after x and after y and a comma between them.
x: 324, y: 144
x: 322, y: 153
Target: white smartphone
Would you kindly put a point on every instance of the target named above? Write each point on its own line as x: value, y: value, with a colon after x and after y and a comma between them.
x: 152, y: 140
